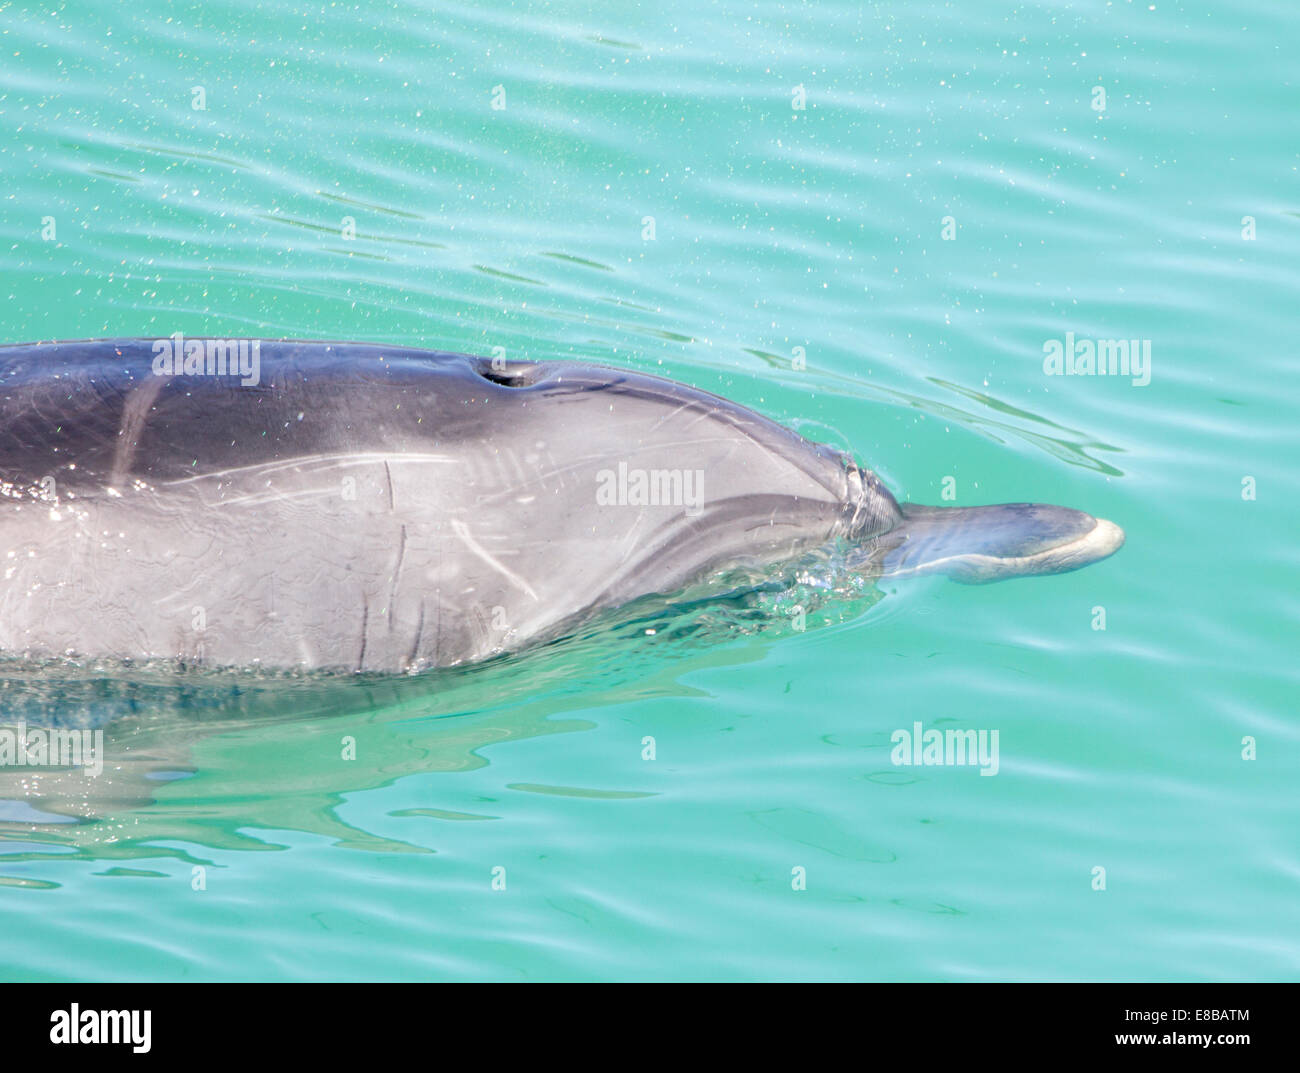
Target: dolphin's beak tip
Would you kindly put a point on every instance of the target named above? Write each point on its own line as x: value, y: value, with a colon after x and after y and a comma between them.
x: 1106, y: 539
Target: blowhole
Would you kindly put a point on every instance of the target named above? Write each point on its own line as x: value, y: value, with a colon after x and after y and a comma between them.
x: 509, y: 373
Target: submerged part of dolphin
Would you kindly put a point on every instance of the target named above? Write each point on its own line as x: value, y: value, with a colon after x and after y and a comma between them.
x: 380, y: 508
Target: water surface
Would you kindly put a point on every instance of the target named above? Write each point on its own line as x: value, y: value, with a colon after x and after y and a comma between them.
x: 650, y: 197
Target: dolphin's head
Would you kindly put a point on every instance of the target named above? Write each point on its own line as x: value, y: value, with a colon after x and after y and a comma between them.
x: 978, y: 544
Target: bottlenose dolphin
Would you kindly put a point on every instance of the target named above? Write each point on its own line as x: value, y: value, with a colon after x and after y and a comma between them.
x: 364, y: 507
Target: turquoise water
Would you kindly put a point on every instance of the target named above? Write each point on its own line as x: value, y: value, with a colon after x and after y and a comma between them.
x: 348, y: 177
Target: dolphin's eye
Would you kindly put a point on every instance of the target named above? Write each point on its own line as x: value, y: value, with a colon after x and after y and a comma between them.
x: 508, y: 373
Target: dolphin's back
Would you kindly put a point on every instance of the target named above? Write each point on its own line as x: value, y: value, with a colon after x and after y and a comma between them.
x: 377, y: 508
x: 66, y: 404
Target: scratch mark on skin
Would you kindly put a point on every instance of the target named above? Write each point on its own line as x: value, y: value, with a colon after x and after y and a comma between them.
x: 321, y: 461
x: 135, y: 411
x: 397, y: 573
x: 419, y: 635
x: 462, y: 531
x: 585, y: 464
x: 703, y: 414
x: 629, y: 540
x: 365, y: 621
x: 258, y: 498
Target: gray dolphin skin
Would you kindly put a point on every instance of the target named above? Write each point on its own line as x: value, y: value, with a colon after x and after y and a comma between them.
x: 375, y: 508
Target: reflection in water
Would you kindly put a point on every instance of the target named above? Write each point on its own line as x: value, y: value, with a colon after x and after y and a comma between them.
x: 1067, y: 444
x: 207, y: 759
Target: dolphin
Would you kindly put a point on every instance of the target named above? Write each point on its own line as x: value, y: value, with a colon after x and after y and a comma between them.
x: 369, y: 508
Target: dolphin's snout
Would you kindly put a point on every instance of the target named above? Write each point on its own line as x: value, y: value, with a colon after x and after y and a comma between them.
x: 1106, y: 539
x: 994, y: 543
